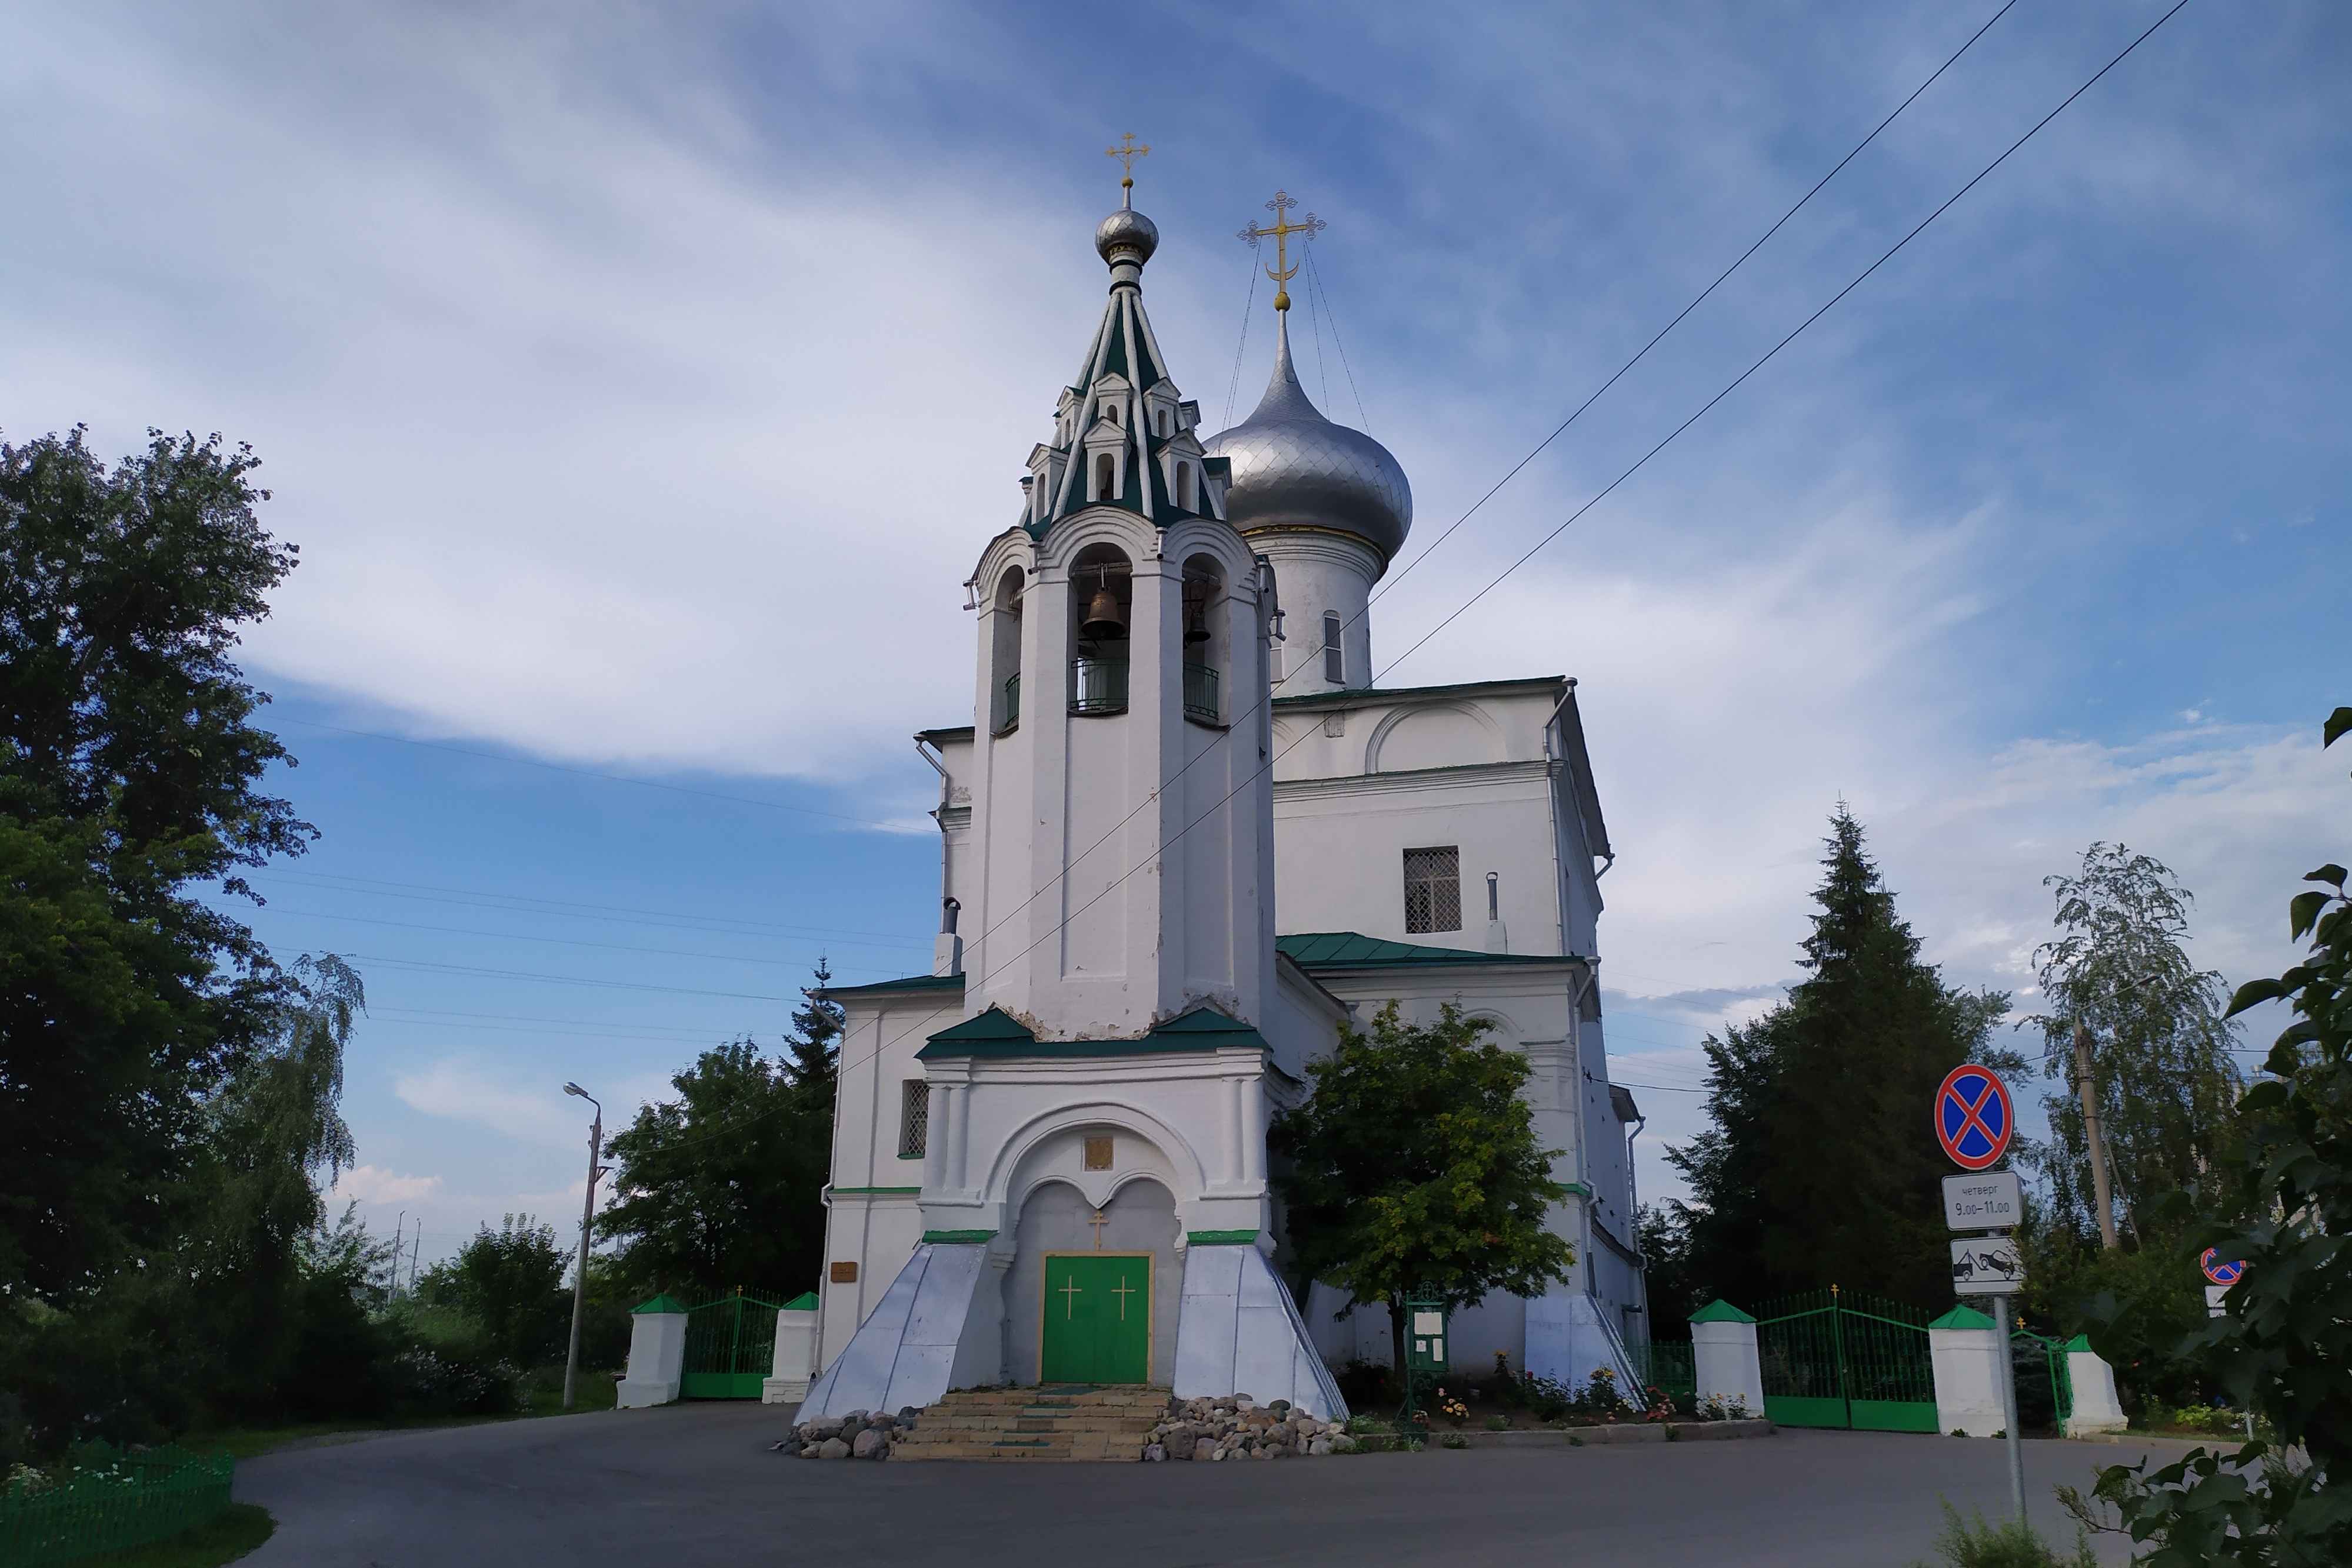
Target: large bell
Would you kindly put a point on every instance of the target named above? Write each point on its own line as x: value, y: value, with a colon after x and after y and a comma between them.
x: 1103, y: 623
x: 1196, y: 621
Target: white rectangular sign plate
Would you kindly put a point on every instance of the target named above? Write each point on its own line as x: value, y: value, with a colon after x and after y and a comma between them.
x: 1985, y: 1200
x: 2214, y: 1307
x: 1987, y: 1266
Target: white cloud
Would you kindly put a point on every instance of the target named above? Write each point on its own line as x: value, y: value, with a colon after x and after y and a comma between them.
x: 373, y: 1183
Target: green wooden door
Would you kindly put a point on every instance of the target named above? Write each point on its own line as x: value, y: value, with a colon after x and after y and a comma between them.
x: 1098, y: 1318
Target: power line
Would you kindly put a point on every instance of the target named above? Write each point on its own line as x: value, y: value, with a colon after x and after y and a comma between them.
x: 574, y: 941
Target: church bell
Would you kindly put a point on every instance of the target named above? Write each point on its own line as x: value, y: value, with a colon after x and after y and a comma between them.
x: 1103, y: 623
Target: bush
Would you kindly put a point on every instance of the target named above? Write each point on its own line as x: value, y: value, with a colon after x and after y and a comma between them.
x: 2012, y: 1543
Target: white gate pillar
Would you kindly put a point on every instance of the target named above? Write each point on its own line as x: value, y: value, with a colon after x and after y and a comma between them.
x: 2096, y: 1408
x: 1723, y: 1355
x: 657, y: 1354
x: 1969, y: 1362
x: 796, y: 1365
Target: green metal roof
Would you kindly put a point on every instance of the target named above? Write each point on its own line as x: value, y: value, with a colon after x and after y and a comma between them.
x: 1353, y: 951
x: 803, y: 1303
x: 1463, y: 688
x: 995, y: 1033
x: 1962, y: 1318
x: 1720, y: 1311
x: 661, y: 1303
x: 911, y: 983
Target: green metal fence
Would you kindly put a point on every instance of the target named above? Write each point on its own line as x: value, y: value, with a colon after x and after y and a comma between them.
x: 1666, y: 1366
x: 2045, y: 1384
x: 731, y: 1347
x: 1845, y: 1359
x: 110, y: 1500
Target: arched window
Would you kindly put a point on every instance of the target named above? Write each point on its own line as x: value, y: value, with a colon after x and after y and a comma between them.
x: 1110, y: 412
x: 1004, y: 653
x: 1105, y: 477
x: 1334, y: 662
x: 1185, y: 498
x: 1207, y: 643
x: 1163, y: 421
x: 1102, y: 600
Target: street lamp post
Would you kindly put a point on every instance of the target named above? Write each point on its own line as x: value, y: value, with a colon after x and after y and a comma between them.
x: 587, y: 1218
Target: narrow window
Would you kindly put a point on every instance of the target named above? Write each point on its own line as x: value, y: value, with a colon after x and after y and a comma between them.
x: 1105, y: 477
x: 1335, y: 663
x: 1432, y: 889
x: 1110, y: 412
x: 914, y: 1118
x: 1184, y: 488
x: 1163, y: 421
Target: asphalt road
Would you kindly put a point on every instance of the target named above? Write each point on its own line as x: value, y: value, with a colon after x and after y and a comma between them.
x: 694, y: 1484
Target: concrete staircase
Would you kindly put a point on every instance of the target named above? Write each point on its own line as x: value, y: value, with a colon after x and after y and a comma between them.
x: 1066, y: 1422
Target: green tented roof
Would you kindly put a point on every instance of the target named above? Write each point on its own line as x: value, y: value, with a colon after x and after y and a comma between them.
x: 661, y: 1303
x: 803, y: 1303
x: 1353, y: 951
x: 2079, y: 1341
x: 1962, y: 1318
x: 1720, y: 1311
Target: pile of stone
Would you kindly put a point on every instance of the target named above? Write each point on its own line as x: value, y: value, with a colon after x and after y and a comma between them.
x: 1238, y: 1427
x: 860, y: 1435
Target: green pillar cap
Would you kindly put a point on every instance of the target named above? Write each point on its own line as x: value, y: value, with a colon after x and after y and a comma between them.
x: 1720, y: 1311
x: 1962, y: 1318
x: 661, y: 1303
x: 2081, y: 1342
x: 803, y: 1303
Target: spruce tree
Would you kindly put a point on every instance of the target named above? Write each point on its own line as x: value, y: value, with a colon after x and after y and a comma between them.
x: 1822, y: 1167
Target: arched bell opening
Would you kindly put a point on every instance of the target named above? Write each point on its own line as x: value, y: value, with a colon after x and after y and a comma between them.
x: 1004, y: 652
x: 1207, y: 633
x: 1102, y: 608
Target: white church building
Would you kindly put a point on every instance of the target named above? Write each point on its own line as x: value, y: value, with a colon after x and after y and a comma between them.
x: 1183, y: 843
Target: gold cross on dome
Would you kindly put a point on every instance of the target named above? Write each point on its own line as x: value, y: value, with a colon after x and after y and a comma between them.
x: 1069, y: 1294
x: 1280, y: 231
x: 1099, y: 1221
x: 1124, y: 1290
x: 1126, y: 152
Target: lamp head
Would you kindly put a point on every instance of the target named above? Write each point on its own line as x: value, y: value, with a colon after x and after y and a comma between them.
x: 575, y: 1089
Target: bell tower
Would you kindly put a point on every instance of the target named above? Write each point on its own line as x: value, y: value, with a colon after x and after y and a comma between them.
x: 1122, y: 810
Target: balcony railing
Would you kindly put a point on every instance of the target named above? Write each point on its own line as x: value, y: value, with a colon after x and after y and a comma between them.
x: 1097, y: 685
x: 1012, y: 702
x: 1201, y: 694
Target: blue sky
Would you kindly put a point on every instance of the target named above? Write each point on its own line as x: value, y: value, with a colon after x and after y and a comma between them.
x: 641, y: 385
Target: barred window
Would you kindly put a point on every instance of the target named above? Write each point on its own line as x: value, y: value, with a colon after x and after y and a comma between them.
x: 1432, y: 889
x: 914, y: 1117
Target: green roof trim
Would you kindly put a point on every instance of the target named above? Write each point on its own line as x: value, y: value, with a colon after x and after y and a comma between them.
x: 889, y: 987
x: 803, y: 1303
x: 956, y: 1238
x: 1962, y: 1318
x: 1220, y: 1238
x: 664, y: 1303
x: 1460, y: 689
x: 1354, y: 950
x: 994, y: 1033
x: 1720, y: 1311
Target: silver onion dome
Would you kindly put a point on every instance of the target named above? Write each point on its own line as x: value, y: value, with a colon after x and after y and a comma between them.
x: 1293, y: 468
x: 1127, y: 230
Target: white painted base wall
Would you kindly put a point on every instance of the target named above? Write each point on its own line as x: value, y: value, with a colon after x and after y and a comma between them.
x: 1238, y: 1331
x: 796, y: 1364
x: 1569, y: 1339
x: 656, y: 1360
x: 2096, y: 1408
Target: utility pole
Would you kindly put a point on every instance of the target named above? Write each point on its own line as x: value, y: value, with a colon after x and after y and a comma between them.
x: 2096, y: 1135
x: 587, y: 1218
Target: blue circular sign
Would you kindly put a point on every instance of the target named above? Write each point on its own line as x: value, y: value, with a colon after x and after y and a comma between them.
x: 2218, y: 1272
x: 1973, y: 1117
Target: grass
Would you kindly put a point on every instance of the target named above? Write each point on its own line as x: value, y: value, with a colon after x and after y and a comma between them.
x: 223, y: 1538
x: 2011, y: 1543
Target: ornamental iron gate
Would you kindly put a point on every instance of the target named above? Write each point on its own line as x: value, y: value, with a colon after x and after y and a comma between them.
x: 1831, y: 1359
x: 731, y: 1347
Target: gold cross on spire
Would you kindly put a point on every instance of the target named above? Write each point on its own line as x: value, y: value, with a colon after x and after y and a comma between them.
x: 1280, y: 231
x: 1127, y: 150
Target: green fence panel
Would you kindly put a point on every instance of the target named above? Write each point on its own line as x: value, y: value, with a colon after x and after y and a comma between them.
x: 109, y: 1502
x: 1666, y: 1366
x: 1846, y: 1360
x: 731, y: 1347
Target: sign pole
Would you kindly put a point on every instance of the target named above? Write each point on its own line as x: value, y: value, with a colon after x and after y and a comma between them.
x: 2006, y: 1361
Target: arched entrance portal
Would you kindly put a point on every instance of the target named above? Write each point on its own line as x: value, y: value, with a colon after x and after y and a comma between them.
x: 1093, y: 1293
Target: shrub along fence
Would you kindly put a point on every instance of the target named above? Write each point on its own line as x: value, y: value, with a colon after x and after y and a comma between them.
x: 108, y: 1500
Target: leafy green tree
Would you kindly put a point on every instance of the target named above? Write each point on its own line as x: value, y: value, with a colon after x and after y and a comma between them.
x: 509, y: 1282
x: 1413, y: 1161
x: 2124, y: 996
x: 2280, y: 1199
x: 722, y: 1186
x: 129, y: 772
x: 1820, y: 1166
